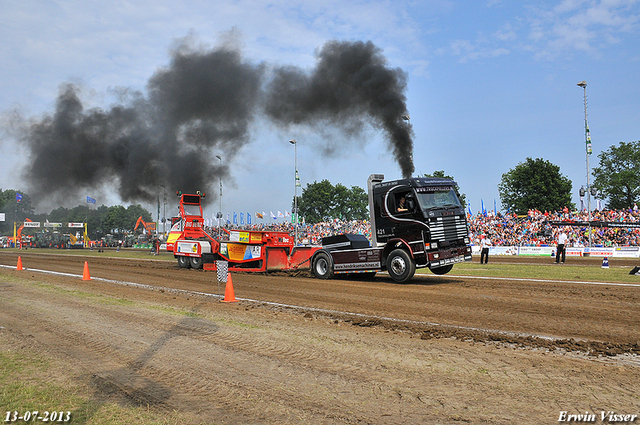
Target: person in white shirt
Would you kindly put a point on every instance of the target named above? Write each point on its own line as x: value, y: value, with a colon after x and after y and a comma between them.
x: 485, y: 243
x: 560, y: 250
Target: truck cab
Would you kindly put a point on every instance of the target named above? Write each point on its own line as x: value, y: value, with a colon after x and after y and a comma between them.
x: 415, y: 223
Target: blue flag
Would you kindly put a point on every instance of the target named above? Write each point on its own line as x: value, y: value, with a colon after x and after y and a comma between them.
x: 90, y: 200
x: 235, y: 217
x: 248, y: 218
x: 18, y: 197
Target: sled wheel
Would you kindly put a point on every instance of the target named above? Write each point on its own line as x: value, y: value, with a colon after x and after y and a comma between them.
x: 196, y: 262
x: 183, y: 262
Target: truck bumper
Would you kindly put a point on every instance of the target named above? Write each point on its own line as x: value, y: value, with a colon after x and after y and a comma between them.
x: 449, y: 256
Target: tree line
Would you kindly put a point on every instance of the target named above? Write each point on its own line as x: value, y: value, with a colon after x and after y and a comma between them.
x: 100, y: 221
x: 538, y: 184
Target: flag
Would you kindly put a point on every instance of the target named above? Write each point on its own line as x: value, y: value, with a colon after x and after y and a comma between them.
x: 228, y: 219
x: 248, y: 218
x: 235, y: 217
x: 297, y: 179
x: 495, y: 208
x: 260, y: 216
x: 484, y: 212
x: 90, y: 200
x: 589, y: 151
x: 241, y: 218
x: 280, y: 215
x: 470, y: 213
x: 273, y: 216
x: 18, y: 197
x: 286, y: 213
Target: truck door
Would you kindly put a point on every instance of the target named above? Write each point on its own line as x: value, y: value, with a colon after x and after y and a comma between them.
x: 405, y: 213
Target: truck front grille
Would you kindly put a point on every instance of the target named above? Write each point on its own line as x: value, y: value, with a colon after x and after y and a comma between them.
x: 448, y: 228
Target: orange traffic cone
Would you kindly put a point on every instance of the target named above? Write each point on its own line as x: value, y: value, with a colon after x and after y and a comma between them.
x: 19, y: 267
x: 229, y: 295
x: 85, y: 273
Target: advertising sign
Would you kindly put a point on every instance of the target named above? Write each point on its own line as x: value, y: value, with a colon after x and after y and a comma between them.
x: 239, y: 252
x: 535, y: 250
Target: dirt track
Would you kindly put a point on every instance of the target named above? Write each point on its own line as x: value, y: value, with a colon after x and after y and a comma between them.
x: 441, y: 349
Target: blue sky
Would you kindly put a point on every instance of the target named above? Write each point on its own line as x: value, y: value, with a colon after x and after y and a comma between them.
x: 490, y: 83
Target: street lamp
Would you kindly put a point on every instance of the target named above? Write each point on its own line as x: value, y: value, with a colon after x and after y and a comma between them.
x: 164, y: 209
x: 296, y: 183
x: 219, y: 215
x: 587, y: 136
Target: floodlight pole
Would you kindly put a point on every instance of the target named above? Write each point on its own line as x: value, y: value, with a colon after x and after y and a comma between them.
x: 219, y: 215
x: 587, y: 138
x: 295, y: 189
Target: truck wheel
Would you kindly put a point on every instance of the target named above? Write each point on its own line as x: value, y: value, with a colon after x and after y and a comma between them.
x: 322, y: 266
x: 441, y: 270
x: 400, y: 265
x: 196, y: 262
x: 183, y: 262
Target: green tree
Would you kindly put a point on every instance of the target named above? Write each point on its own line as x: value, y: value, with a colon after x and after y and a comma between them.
x: 618, y: 175
x: 116, y: 220
x: 440, y: 174
x: 322, y: 201
x: 350, y: 204
x: 535, y: 184
x: 134, y: 212
x: 14, y: 211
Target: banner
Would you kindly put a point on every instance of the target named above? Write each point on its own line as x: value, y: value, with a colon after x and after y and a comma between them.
x: 31, y: 224
x: 2, y: 217
x: 76, y: 225
x: 47, y: 224
x: 90, y: 200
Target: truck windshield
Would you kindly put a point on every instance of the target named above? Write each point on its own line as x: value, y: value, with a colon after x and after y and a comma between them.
x: 192, y: 209
x: 438, y: 199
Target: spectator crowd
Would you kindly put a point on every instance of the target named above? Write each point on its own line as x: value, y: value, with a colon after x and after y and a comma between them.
x: 533, y: 229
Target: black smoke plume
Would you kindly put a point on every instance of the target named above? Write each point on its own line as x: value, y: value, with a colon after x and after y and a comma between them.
x: 201, y: 105
x: 350, y: 85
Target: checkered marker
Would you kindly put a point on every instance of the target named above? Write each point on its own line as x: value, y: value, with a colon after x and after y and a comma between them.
x: 222, y: 268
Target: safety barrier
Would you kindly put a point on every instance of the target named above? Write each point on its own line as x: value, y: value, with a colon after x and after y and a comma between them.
x: 548, y: 251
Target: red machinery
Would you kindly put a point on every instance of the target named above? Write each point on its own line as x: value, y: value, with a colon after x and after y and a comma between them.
x: 245, y: 250
x: 148, y: 227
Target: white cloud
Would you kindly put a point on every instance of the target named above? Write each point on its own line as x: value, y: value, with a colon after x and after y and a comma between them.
x: 579, y: 25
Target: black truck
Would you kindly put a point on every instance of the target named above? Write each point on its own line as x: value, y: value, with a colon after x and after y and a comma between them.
x: 415, y: 223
